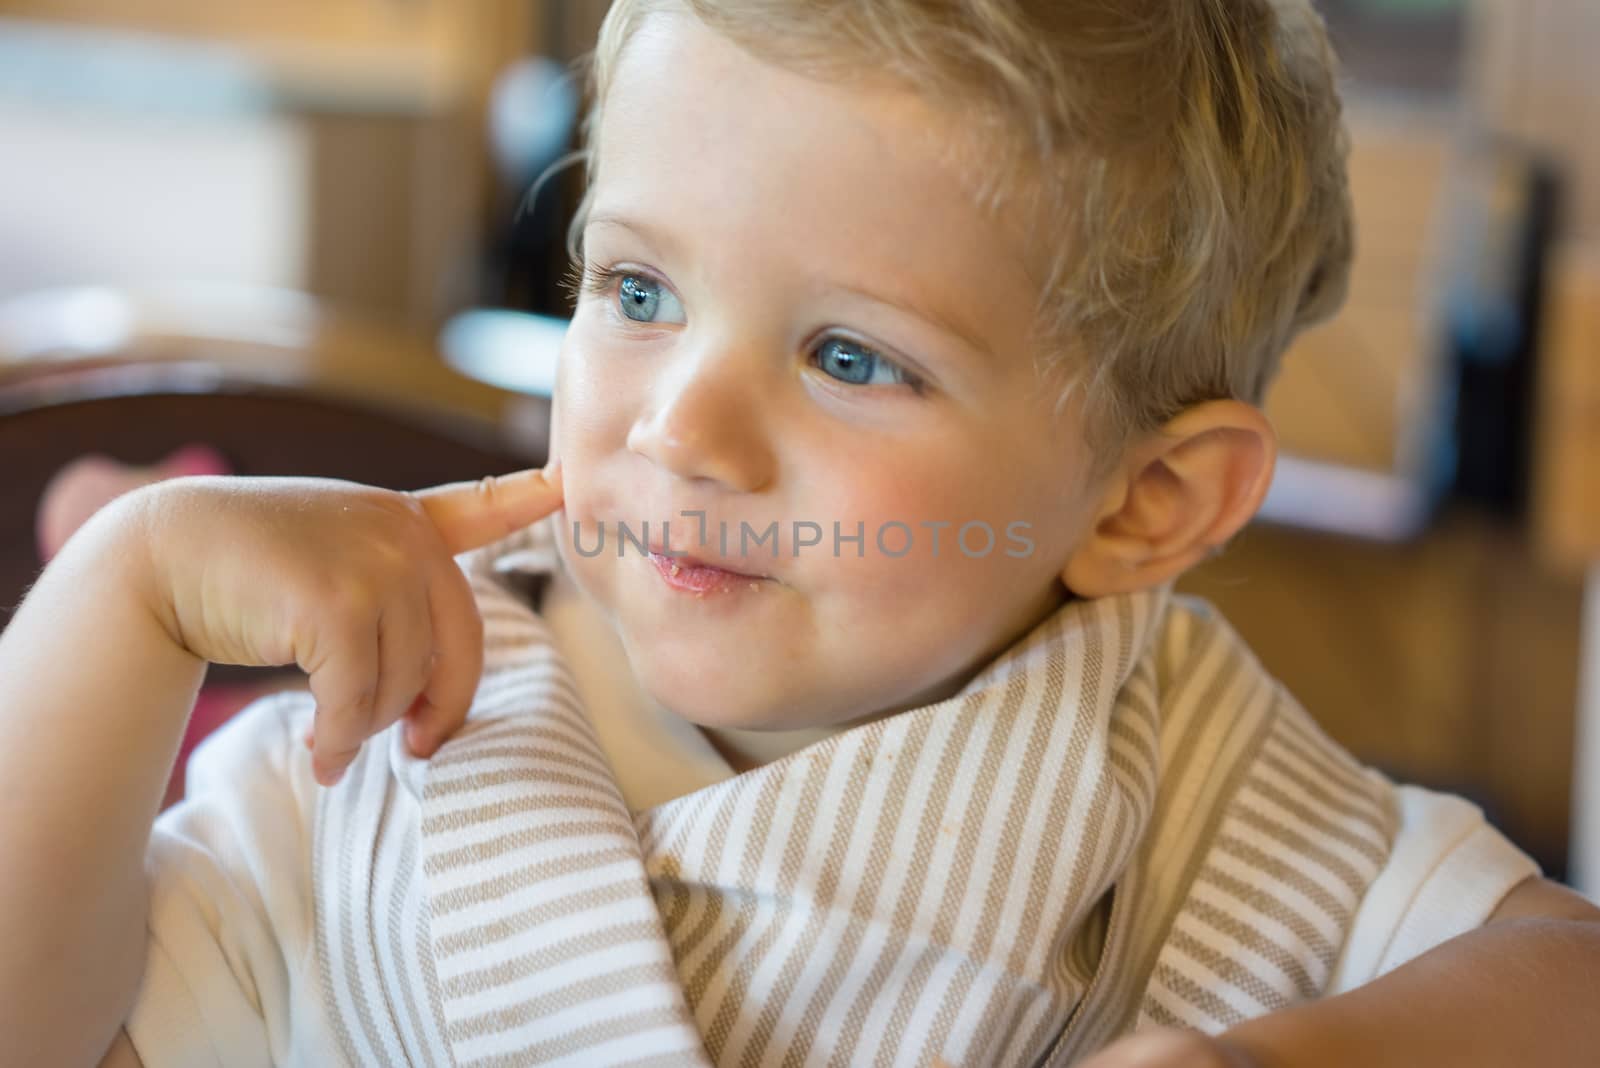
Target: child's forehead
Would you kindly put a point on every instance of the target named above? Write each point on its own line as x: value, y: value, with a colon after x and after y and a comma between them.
x: 700, y: 129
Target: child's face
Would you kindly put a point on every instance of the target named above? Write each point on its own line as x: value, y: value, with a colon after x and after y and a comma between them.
x: 786, y: 253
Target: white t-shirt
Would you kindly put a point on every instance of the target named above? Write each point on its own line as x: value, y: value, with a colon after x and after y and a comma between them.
x: 230, y: 975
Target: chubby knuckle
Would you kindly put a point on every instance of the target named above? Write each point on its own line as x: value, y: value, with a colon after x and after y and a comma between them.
x: 488, y: 488
x: 353, y: 602
x: 340, y: 752
x: 356, y: 704
x: 416, y: 672
x: 409, y: 502
x: 490, y: 491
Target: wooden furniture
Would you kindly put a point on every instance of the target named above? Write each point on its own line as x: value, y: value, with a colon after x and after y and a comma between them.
x: 1567, y: 512
x: 372, y: 110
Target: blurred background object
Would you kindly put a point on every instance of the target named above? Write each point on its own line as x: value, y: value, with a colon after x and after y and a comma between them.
x: 327, y: 237
x: 1415, y: 534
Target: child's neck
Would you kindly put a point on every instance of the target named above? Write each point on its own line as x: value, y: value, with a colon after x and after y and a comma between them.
x: 746, y: 749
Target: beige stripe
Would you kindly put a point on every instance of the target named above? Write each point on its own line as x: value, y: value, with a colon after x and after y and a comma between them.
x: 508, y: 730
x: 1084, y: 949
x: 511, y: 700
x: 1039, y: 1037
x: 534, y: 671
x: 465, y: 819
x: 659, y: 1060
x: 803, y: 951
x: 737, y: 985
x: 548, y: 955
x: 1204, y: 1000
x: 501, y: 885
x: 504, y: 644
x: 1273, y: 908
x: 515, y: 924
x: 1295, y: 843
x: 580, y: 760
x: 1064, y: 977
x: 673, y: 821
x: 843, y: 955
x: 480, y: 732
x: 717, y: 841
x: 1117, y: 972
x: 1303, y: 738
x: 332, y: 885
x: 1090, y: 695
x: 1163, y: 1015
x: 1057, y: 816
x: 406, y: 874
x: 430, y: 974
x: 907, y: 901
x: 498, y: 609
x: 1228, y: 710
x: 1333, y: 829
x: 958, y: 879
x: 1134, y: 775
x: 1290, y: 875
x: 1179, y: 860
x: 496, y: 848
x: 504, y: 633
x: 1348, y: 803
x: 756, y: 842
x: 605, y: 984
x: 1136, y: 757
x: 1040, y: 872
x: 1259, y: 942
x: 1230, y: 970
x: 581, y: 1039
x: 672, y: 915
x: 359, y: 880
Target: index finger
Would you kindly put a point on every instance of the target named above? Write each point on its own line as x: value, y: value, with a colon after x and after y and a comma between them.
x: 473, y: 514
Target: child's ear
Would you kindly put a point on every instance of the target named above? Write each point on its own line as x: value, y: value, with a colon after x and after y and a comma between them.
x: 1177, y: 498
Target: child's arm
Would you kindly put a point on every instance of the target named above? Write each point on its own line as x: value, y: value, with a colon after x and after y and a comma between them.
x: 94, y: 696
x: 1518, y: 991
x: 101, y: 663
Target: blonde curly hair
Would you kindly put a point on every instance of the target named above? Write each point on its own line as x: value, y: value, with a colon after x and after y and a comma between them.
x: 1186, y: 160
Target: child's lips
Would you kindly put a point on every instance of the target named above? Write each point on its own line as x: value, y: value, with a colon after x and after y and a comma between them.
x: 692, y: 575
x: 658, y: 547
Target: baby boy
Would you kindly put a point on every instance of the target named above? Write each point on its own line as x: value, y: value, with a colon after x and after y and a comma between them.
x: 849, y: 716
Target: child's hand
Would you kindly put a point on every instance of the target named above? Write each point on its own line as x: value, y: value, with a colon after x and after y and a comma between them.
x: 355, y: 584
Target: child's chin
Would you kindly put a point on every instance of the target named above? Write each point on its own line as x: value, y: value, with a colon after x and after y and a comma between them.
x: 709, y: 702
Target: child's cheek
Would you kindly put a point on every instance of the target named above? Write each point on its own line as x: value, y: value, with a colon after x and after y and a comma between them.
x: 908, y: 520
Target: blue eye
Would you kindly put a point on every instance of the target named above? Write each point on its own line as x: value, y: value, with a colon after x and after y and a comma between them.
x: 643, y: 300
x: 859, y: 365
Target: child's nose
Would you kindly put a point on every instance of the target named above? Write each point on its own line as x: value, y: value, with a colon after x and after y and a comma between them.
x: 706, y: 426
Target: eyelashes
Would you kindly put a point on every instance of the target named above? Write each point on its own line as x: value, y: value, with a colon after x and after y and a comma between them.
x: 580, y: 279
x: 600, y: 281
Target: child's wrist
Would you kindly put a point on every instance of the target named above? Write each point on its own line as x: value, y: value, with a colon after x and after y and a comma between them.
x: 130, y: 550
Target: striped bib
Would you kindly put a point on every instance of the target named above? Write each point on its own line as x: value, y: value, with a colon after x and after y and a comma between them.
x: 1122, y: 820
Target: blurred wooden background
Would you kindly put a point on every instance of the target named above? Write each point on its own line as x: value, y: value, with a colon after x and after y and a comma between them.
x: 1450, y: 660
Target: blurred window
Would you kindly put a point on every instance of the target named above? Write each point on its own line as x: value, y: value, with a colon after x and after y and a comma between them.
x: 1412, y: 45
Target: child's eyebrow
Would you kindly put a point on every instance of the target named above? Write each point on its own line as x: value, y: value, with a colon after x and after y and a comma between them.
x: 906, y: 301
x: 660, y: 239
